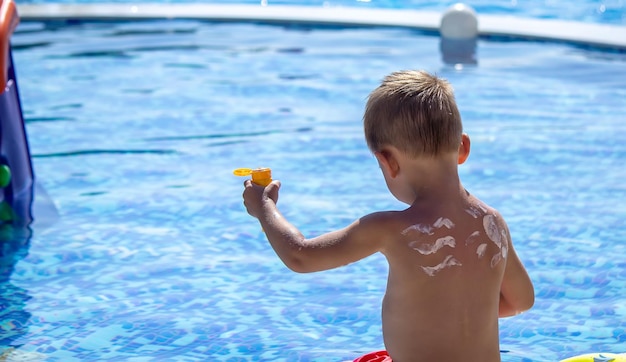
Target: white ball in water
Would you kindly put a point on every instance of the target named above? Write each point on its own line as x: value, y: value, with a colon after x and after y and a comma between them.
x: 459, y: 22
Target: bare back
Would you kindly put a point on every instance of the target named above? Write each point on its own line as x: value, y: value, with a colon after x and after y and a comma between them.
x: 445, y: 271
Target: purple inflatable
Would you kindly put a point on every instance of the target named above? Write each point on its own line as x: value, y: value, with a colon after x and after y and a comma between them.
x: 16, y: 172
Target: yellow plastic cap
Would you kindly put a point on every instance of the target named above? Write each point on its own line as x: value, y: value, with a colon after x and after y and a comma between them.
x: 260, y: 176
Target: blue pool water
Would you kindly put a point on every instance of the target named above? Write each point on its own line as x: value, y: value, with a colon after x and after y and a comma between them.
x: 595, y: 11
x: 135, y: 129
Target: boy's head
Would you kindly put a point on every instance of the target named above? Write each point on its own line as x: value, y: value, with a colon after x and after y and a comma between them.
x: 415, y: 112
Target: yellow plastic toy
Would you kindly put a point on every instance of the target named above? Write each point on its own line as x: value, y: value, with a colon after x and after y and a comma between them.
x: 260, y: 176
x: 598, y: 357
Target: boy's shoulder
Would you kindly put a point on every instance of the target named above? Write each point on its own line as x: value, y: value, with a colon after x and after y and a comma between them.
x: 467, y: 214
x: 479, y: 207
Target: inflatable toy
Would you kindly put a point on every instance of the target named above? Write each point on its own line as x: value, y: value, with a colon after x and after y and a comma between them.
x: 597, y: 357
x: 16, y: 173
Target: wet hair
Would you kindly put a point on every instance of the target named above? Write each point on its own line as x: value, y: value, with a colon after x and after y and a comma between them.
x: 415, y: 112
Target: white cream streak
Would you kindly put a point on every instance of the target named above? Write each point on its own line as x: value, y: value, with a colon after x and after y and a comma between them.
x: 430, y: 248
x: 449, y: 261
x: 474, y: 212
x: 504, y: 250
x: 480, y: 251
x: 496, y: 259
x: 492, y: 230
x: 442, y: 221
x: 505, y: 245
x: 498, y: 236
x: 470, y: 239
x: 422, y: 228
x: 429, y: 229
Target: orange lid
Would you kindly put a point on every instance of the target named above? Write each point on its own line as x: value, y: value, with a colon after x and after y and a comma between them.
x: 261, y: 176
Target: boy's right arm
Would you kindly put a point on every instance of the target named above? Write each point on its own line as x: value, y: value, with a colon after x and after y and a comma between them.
x: 516, y: 292
x: 330, y: 250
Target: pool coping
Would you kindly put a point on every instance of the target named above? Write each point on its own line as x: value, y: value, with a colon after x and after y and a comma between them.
x: 591, y: 34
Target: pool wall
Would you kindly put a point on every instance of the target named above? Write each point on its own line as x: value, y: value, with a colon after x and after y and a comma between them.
x: 596, y: 35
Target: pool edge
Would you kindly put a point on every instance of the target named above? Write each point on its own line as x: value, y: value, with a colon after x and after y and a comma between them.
x: 596, y: 35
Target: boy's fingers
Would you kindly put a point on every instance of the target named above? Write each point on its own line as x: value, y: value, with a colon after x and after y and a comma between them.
x: 273, y: 187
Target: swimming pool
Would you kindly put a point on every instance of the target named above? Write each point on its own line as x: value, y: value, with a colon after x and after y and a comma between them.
x: 593, y: 11
x: 135, y: 128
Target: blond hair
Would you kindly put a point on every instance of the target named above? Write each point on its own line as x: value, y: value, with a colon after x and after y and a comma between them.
x: 415, y: 112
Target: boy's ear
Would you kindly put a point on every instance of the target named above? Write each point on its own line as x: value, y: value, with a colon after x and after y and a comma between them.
x: 464, y: 148
x: 388, y: 162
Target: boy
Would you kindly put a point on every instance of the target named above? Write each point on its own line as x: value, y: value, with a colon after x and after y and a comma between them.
x: 452, y: 267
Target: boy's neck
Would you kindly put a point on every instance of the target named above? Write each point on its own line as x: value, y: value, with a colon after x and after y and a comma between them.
x: 434, y: 179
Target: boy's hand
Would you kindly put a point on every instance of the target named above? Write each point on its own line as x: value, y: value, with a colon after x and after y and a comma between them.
x: 255, y: 196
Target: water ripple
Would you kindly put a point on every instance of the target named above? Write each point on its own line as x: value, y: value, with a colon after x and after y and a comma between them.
x: 100, y: 152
